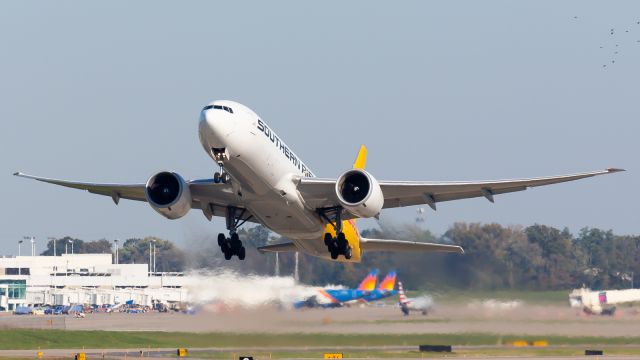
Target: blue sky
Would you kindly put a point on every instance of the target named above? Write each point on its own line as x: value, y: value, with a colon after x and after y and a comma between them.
x: 446, y: 90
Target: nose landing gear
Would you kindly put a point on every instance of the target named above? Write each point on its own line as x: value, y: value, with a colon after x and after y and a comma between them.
x: 337, y: 245
x: 220, y: 154
x: 232, y: 245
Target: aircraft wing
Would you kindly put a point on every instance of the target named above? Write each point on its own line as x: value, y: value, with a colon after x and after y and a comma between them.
x: 212, y: 198
x: 282, y: 247
x: 320, y: 193
x: 368, y: 245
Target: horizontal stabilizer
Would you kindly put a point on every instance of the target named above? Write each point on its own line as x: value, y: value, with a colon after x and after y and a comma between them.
x: 399, y: 245
x: 284, y: 247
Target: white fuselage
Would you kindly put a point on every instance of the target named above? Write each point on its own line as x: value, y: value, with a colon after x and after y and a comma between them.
x: 263, y: 171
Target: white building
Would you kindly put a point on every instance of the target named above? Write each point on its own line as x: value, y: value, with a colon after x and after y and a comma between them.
x: 83, y: 279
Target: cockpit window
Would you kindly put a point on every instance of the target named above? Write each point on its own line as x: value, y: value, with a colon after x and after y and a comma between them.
x: 218, y: 107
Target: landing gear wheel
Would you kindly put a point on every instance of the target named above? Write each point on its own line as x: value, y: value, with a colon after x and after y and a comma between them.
x: 342, y: 242
x: 221, y: 239
x: 241, y: 253
x: 216, y: 177
x: 334, y: 253
x: 348, y: 253
x: 228, y: 255
x: 224, y: 178
x: 328, y: 239
x: 235, y: 243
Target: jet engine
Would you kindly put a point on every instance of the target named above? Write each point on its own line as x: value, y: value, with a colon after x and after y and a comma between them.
x: 360, y: 193
x: 168, y: 194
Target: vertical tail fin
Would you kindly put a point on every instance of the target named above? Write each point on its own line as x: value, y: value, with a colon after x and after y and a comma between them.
x: 401, y: 297
x: 369, y: 282
x: 361, y: 160
x: 389, y: 282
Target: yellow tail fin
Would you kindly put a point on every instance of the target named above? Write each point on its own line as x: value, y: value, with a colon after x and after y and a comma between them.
x: 361, y: 160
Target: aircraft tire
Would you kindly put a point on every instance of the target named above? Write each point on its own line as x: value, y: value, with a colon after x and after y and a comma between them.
x: 216, y: 177
x: 334, y: 253
x: 348, y: 252
x: 342, y: 243
x: 235, y: 244
x: 328, y: 239
x: 228, y: 254
x: 221, y: 239
x: 241, y: 253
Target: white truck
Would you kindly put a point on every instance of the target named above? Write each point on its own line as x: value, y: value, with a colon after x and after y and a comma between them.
x: 602, y: 302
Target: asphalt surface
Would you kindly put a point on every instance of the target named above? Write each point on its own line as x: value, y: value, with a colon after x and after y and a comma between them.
x: 193, y: 353
x: 447, y: 319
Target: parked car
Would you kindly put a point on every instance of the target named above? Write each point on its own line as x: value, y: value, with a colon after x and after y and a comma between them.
x: 58, y: 310
x: 23, y: 310
x: 38, y: 311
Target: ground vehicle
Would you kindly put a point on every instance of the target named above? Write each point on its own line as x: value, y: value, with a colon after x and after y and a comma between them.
x: 23, y: 310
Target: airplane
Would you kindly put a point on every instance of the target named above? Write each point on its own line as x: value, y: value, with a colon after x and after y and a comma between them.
x: 384, y: 289
x: 262, y: 180
x: 338, y: 297
x: 422, y: 304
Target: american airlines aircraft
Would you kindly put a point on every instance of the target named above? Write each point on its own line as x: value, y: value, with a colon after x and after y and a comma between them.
x: 262, y: 180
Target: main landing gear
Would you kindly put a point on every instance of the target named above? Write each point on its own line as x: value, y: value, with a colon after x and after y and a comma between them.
x: 232, y: 245
x: 337, y: 245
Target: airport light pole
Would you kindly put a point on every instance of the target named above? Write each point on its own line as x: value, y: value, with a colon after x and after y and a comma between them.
x: 71, y: 242
x: 32, y: 239
x: 116, y: 242
x: 51, y: 238
x: 154, y: 254
x: 277, y: 265
x: 149, y: 258
x: 19, y: 245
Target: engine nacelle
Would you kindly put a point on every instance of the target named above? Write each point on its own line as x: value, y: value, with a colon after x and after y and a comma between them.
x: 168, y: 194
x: 360, y: 193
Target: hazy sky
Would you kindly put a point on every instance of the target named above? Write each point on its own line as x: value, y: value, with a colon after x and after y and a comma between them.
x: 446, y: 90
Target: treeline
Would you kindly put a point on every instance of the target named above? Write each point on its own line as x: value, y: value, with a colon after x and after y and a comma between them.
x: 133, y: 251
x: 537, y: 257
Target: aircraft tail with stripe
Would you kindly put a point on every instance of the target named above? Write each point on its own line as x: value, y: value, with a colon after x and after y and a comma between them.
x: 384, y: 289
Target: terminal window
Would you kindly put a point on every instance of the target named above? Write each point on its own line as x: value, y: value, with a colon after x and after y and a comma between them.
x: 16, y: 271
x: 17, y: 289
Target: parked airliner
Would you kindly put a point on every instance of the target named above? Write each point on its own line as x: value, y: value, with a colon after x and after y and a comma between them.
x: 262, y: 180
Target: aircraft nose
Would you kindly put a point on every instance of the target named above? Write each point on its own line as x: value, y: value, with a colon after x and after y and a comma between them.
x: 214, y: 126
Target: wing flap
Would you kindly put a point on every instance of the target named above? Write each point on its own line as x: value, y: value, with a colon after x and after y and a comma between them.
x: 400, y: 245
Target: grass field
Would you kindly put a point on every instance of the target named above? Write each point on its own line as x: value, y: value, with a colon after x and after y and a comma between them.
x: 60, y: 339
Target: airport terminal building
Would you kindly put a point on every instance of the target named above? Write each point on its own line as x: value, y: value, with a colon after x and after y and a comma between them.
x: 83, y: 279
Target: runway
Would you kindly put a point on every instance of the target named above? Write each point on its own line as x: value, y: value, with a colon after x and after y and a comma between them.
x: 532, y: 320
x: 265, y: 353
x: 464, y: 323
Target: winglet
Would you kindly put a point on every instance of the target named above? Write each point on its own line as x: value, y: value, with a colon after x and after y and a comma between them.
x: 612, y: 170
x: 361, y: 160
